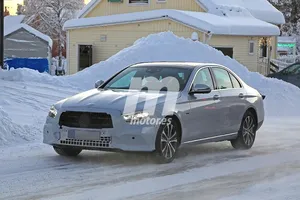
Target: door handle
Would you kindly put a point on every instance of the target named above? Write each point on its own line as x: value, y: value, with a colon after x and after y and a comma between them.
x: 241, y: 95
x: 216, y: 97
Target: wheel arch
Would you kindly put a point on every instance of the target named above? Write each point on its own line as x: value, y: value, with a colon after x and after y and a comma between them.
x: 254, y: 112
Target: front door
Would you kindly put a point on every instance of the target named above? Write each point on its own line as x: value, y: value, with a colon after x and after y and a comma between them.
x: 85, y: 56
x: 204, y: 108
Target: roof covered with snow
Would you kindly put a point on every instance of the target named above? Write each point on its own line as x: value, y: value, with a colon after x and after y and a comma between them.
x: 287, y: 39
x: 205, y: 22
x: 261, y: 9
x: 10, y: 21
x: 14, y: 23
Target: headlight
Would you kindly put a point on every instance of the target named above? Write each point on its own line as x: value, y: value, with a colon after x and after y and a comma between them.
x: 52, y: 112
x: 136, y: 116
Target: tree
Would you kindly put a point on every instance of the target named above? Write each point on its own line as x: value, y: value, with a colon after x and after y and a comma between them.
x: 6, y: 12
x: 49, y: 16
x: 20, y: 9
x: 291, y: 11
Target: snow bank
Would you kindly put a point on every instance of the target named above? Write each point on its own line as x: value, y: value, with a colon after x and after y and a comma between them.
x: 11, y: 131
x: 282, y: 98
x: 29, y: 75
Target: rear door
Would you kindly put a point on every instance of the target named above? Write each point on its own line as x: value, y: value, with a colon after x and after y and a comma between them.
x: 232, y: 101
x: 204, y: 108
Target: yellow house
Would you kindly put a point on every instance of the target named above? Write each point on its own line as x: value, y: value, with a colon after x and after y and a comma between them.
x: 244, y: 30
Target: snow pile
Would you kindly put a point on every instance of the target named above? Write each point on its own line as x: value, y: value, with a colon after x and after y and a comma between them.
x: 29, y: 75
x: 281, y: 98
x: 11, y: 131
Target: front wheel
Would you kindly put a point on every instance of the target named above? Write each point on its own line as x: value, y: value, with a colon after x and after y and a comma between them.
x: 67, y: 151
x: 167, y: 141
x: 247, y: 132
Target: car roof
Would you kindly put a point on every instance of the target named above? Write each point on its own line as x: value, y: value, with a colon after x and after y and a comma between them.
x: 191, y: 65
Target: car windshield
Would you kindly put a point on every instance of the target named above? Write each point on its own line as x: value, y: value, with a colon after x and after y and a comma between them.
x: 294, y: 69
x: 151, y: 78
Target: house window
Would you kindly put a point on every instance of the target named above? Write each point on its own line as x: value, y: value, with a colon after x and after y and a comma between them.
x: 138, y: 1
x: 251, y: 47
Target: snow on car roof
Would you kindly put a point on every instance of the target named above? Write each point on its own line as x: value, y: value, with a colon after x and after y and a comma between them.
x: 205, y: 22
x: 33, y: 31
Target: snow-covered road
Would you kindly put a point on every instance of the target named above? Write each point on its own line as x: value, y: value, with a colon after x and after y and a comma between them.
x: 213, y: 171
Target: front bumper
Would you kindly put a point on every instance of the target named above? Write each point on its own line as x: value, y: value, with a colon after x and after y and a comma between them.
x: 123, y: 137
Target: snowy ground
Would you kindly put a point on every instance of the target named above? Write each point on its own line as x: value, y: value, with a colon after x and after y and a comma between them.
x: 32, y: 170
x: 271, y: 170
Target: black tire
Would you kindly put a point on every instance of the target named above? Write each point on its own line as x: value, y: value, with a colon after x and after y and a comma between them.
x: 247, y: 133
x: 67, y: 151
x: 167, y: 141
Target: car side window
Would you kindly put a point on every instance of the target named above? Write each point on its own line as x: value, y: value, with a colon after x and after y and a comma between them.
x: 222, y: 78
x: 235, y: 82
x: 204, y: 77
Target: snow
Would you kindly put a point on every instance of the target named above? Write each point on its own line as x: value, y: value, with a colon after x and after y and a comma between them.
x: 261, y: 9
x: 31, y: 170
x: 10, y: 21
x: 221, y: 25
x: 210, y: 171
x: 284, y: 188
x: 281, y: 96
x: 287, y: 39
x: 31, y: 30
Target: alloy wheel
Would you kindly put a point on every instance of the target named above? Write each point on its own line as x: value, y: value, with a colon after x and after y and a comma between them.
x: 169, y: 141
x: 249, y: 130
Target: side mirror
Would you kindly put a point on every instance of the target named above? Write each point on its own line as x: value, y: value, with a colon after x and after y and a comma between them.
x: 200, y: 89
x: 98, y: 83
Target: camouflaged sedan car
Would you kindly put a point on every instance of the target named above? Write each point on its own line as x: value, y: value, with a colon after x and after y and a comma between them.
x: 157, y: 107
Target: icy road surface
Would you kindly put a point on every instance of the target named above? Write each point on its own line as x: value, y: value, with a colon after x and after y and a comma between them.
x: 31, y: 170
x: 271, y: 170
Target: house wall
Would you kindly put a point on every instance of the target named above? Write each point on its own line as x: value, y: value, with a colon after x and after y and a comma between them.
x: 22, y: 44
x: 109, y: 8
x: 122, y: 36
x: 118, y: 38
x: 274, y: 41
x: 240, y: 45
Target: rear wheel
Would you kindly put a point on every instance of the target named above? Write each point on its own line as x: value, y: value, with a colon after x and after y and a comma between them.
x: 67, y: 151
x: 247, y: 132
x: 167, y: 141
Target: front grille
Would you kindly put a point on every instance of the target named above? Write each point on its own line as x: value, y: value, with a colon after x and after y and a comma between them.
x: 104, y: 142
x: 85, y: 120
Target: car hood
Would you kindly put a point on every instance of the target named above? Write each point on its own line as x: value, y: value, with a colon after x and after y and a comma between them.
x: 116, y: 100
